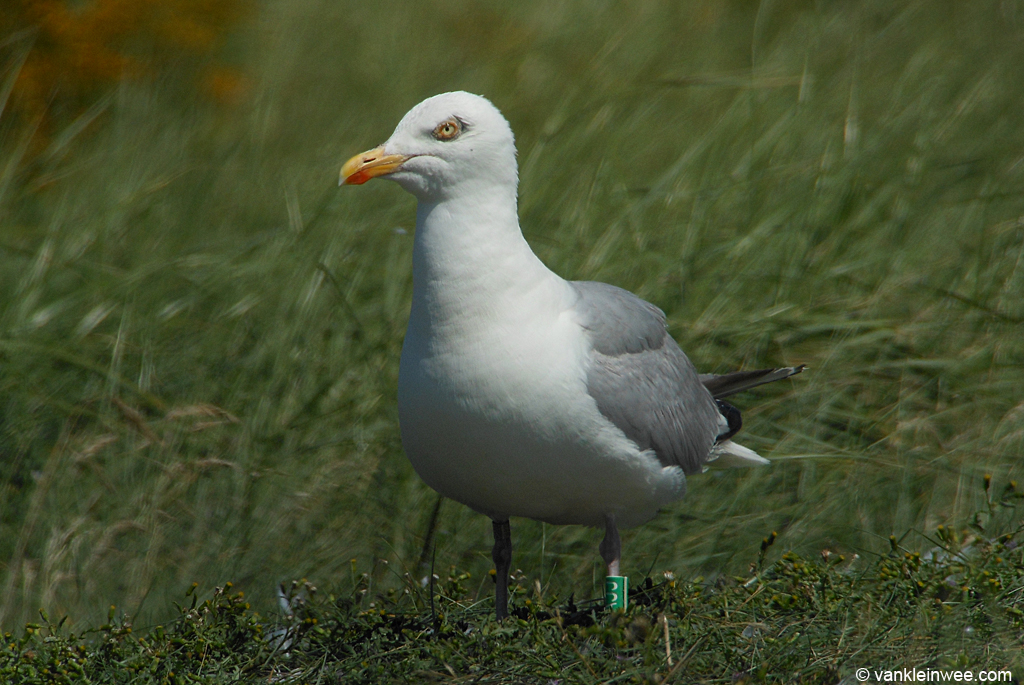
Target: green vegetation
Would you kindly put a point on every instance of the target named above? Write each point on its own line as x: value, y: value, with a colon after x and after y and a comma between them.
x: 199, y: 334
x: 801, y: 620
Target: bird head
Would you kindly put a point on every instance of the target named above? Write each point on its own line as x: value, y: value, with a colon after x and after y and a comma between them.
x: 443, y: 146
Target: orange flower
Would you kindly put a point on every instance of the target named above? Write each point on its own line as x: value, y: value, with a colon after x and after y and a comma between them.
x: 76, y: 51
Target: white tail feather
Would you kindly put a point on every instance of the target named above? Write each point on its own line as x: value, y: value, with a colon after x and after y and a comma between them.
x: 729, y: 455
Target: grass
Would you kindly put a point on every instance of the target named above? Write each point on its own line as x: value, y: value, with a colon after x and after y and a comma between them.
x: 199, y: 333
x: 798, y: 620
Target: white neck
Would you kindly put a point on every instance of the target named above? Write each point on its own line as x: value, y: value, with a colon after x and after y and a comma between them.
x: 471, y: 261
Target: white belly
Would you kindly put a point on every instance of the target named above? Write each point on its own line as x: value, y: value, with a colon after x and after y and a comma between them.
x: 498, y: 417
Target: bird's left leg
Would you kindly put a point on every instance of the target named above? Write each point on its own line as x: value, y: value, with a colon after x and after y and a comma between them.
x: 502, y: 556
x: 611, y: 546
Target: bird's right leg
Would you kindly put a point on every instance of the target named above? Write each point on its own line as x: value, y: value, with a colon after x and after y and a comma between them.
x: 502, y: 556
x: 611, y: 546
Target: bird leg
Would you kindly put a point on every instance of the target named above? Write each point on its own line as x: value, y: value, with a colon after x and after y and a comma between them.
x: 611, y: 546
x: 502, y: 556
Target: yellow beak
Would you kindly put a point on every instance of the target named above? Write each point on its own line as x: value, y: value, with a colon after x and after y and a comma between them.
x: 369, y: 164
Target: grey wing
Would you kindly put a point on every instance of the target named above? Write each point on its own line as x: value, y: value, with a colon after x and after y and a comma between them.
x: 642, y: 382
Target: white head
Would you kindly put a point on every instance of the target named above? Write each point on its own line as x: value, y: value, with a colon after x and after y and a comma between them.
x: 447, y: 145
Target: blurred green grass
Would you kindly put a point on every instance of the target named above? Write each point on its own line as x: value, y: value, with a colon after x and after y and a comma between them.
x: 199, y: 333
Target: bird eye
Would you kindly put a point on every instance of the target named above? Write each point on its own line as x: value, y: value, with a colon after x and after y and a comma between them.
x: 448, y: 129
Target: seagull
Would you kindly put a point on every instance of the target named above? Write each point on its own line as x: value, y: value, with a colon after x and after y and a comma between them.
x: 521, y: 393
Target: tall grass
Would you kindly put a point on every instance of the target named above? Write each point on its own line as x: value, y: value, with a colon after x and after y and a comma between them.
x: 199, y: 333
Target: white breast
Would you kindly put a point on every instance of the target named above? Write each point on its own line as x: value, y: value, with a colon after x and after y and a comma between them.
x: 495, y: 414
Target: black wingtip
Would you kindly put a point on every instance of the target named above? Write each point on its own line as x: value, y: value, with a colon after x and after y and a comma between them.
x: 732, y: 383
x: 733, y: 416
